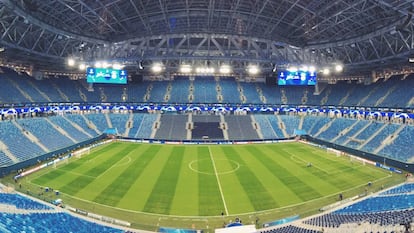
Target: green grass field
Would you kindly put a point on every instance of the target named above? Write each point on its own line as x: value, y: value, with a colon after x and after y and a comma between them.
x: 205, y: 180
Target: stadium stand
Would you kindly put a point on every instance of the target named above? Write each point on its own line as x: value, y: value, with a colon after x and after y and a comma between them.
x: 172, y: 127
x: 13, y: 138
x: 48, y: 135
x: 251, y: 92
x: 119, y: 122
x: 240, y: 127
x: 21, y: 202
x: 392, y: 207
x: 229, y: 90
x: 399, y: 147
x: 74, y: 133
x: 180, y: 90
x: 291, y: 123
x: 145, y: 130
x: 265, y: 126
x: 136, y: 124
x: 98, y: 120
x: 205, y: 90
x: 158, y: 92
x: 80, y: 121
x: 336, y: 128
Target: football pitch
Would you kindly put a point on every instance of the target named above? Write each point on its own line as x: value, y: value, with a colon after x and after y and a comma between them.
x: 206, y: 180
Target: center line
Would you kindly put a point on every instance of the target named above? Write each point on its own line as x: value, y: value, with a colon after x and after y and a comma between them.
x: 218, y: 182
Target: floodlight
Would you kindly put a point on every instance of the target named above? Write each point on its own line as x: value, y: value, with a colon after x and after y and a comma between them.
x: 312, y: 69
x: 292, y: 69
x: 117, y: 66
x: 304, y: 68
x: 253, y: 70
x: 71, y: 62
x: 82, y: 66
x: 339, y: 68
x: 105, y: 64
x: 156, y: 68
x: 98, y: 64
x: 185, y: 69
x: 225, y: 69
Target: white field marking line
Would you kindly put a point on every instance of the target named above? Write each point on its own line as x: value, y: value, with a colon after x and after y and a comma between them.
x: 296, y: 157
x: 115, y: 165
x: 77, y: 173
x: 218, y: 181
x: 190, y: 165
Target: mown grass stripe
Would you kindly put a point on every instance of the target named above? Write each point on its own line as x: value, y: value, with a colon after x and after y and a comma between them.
x: 256, y: 192
x: 73, y: 165
x: 210, y: 201
x: 282, y: 171
x: 114, y: 192
x: 89, y: 176
x: 163, y: 192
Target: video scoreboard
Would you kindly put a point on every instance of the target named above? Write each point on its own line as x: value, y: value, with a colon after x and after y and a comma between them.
x: 296, y: 78
x: 106, y: 75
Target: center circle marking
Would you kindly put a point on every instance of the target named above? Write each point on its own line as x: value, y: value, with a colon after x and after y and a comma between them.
x: 190, y: 165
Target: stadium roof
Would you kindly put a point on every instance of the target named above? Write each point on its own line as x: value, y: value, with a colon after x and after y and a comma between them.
x: 357, y: 33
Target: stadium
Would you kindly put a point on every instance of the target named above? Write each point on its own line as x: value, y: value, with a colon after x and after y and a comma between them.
x: 238, y: 116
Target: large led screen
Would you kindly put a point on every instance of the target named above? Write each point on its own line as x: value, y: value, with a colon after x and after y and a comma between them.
x: 106, y: 75
x: 296, y: 78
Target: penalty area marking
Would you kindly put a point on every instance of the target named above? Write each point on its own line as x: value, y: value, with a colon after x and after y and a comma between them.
x: 116, y: 165
x: 218, y: 181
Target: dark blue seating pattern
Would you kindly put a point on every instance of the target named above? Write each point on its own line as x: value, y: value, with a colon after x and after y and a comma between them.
x: 380, y: 204
x: 51, y: 222
x: 22, y: 202
x: 405, y: 188
x: 290, y: 229
x: 381, y: 218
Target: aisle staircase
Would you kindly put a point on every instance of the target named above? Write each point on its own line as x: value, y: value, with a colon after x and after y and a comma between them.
x: 129, y: 124
x: 60, y: 130
x: 390, y: 139
x: 76, y: 126
x: 91, y: 125
x: 6, y: 151
x: 352, y: 138
x: 31, y: 137
x: 372, y: 136
x: 282, y: 126
x: 224, y: 127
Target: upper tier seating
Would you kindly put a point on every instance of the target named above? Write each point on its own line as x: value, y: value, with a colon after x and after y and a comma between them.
x: 158, y: 92
x: 205, y: 90
x: 396, y: 91
x: 250, y: 91
x: 180, y: 90
x: 229, y: 90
